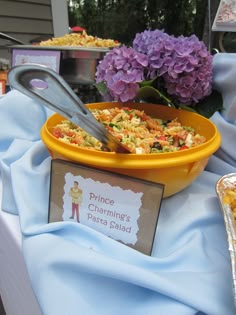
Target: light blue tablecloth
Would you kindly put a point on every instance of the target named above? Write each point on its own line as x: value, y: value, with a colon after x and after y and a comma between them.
x: 76, y: 270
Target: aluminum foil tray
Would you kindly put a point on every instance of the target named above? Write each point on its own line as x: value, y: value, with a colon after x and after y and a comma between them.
x: 226, y: 191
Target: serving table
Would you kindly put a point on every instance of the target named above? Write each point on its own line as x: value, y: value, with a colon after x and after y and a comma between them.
x: 15, y: 287
x: 68, y: 268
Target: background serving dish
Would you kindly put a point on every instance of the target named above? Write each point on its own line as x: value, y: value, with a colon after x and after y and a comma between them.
x: 77, y: 64
x: 223, y: 185
x: 176, y: 170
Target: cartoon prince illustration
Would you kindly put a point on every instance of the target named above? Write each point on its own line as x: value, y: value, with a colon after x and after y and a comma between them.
x: 76, y: 198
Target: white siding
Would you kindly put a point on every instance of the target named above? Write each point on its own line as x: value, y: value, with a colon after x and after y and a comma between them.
x: 27, y: 20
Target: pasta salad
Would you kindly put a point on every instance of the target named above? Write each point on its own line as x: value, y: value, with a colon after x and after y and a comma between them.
x: 230, y: 199
x: 82, y: 39
x: 139, y: 132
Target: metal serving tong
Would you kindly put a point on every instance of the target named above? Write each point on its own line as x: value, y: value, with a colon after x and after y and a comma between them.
x: 50, y: 89
x: 12, y: 39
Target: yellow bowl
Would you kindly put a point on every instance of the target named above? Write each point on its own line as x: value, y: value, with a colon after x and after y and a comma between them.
x: 176, y: 170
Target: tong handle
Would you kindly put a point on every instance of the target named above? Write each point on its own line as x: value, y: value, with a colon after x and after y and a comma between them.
x: 12, y: 39
x: 46, y: 86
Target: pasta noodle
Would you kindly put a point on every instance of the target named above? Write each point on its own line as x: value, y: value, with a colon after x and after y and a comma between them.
x: 141, y: 133
x: 230, y: 199
x: 82, y: 39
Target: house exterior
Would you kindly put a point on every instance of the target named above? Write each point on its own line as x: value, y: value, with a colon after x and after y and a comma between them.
x: 29, y: 20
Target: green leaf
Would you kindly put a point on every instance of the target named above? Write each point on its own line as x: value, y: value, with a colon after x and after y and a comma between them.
x: 209, y: 105
x: 102, y: 88
x: 148, y: 92
x: 151, y: 95
x: 188, y: 108
x: 147, y: 83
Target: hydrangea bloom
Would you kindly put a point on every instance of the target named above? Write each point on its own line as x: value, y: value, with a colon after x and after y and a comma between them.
x: 122, y: 69
x: 158, y: 46
x: 183, y: 65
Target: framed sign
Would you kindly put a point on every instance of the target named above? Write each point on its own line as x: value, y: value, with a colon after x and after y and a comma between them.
x: 225, y: 19
x: 48, y: 58
x: 121, y: 207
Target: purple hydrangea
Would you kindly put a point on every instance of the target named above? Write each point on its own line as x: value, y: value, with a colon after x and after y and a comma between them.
x: 122, y: 69
x: 189, y: 79
x: 158, y: 46
x: 184, y: 64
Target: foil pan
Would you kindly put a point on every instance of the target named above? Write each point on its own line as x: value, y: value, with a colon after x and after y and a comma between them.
x: 224, y: 188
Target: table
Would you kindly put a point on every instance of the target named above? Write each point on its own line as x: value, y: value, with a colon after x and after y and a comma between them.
x: 75, y: 270
x: 15, y: 288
